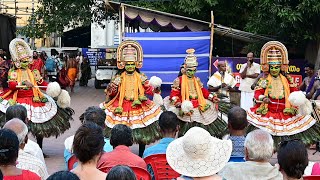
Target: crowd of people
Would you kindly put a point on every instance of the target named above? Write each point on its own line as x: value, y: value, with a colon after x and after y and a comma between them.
x: 64, y: 68
x: 201, y: 134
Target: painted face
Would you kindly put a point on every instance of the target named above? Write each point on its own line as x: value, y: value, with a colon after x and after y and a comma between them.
x: 190, y: 72
x: 275, y: 70
x: 130, y: 67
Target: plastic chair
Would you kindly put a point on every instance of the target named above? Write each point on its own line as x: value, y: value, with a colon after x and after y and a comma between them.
x: 71, y: 162
x: 312, y: 177
x: 141, y: 173
x: 162, y: 170
x: 237, y: 159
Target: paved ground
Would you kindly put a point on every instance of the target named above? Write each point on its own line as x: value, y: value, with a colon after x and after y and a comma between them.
x: 82, y: 98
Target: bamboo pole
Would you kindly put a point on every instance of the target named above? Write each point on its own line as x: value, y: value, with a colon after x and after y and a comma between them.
x: 211, y: 43
x: 122, y: 22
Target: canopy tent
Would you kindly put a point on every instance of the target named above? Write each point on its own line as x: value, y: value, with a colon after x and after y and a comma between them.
x: 158, y: 20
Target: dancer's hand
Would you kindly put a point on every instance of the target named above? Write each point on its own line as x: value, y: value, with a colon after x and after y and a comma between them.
x: 28, y: 84
x: 266, y: 100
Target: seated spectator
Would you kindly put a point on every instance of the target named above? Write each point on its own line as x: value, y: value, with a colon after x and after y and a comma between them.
x: 292, y: 159
x: 63, y: 175
x: 20, y: 112
x: 92, y: 114
x: 237, y: 123
x: 9, y: 148
x: 121, y: 173
x: 87, y: 146
x: 258, y: 151
x: 169, y: 126
x: 198, y: 155
x: 26, y: 161
x: 121, y: 139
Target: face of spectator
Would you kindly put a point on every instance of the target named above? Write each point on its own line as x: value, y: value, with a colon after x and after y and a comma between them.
x: 222, y: 67
x: 250, y: 57
x: 308, y: 71
x: 35, y: 55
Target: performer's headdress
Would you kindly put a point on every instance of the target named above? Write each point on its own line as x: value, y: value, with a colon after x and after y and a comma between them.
x: 129, y: 51
x: 191, y: 60
x: 20, y: 52
x: 274, y: 52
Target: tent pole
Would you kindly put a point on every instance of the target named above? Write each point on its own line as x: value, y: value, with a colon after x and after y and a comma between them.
x: 211, y: 43
x: 122, y: 22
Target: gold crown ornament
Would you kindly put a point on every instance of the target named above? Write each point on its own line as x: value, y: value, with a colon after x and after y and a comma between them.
x: 274, y: 52
x: 129, y: 51
x: 20, y: 52
x: 191, y: 60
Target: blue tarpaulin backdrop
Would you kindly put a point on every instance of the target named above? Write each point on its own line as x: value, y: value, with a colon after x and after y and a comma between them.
x: 164, y: 52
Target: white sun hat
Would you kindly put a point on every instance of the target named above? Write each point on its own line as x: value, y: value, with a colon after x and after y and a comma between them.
x: 198, y: 154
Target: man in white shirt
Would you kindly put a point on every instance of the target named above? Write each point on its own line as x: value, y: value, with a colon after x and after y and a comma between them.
x: 248, y: 72
x: 221, y: 82
x: 20, y: 112
x: 26, y: 161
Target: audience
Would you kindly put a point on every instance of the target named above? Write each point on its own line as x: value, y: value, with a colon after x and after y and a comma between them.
x: 169, y: 126
x: 237, y: 123
x: 26, y: 161
x: 258, y: 151
x: 293, y: 159
x: 87, y: 146
x: 9, y: 148
x: 120, y: 172
x: 121, y: 139
x: 198, y: 155
x: 92, y: 114
x: 63, y: 175
x: 20, y: 112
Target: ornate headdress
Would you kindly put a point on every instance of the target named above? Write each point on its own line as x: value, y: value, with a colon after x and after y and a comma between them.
x: 20, y: 52
x: 129, y: 51
x: 274, y: 52
x: 191, y: 60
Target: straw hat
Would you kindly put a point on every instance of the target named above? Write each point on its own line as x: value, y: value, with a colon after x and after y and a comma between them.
x: 198, y: 154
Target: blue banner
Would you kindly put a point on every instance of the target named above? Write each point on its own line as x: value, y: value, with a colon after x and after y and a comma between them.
x: 164, y: 52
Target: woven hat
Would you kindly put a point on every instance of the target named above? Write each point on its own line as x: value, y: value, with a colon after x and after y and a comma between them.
x: 198, y: 154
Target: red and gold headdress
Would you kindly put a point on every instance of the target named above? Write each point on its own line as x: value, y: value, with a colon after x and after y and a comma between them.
x: 274, y: 52
x: 20, y: 52
x: 129, y: 51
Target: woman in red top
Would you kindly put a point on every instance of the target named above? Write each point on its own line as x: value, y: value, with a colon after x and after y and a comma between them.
x: 9, y: 148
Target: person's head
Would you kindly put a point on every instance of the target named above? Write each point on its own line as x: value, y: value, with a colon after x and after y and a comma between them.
x: 9, y: 147
x: 309, y: 70
x: 130, y: 66
x: 94, y: 114
x: 121, y: 172
x: 250, y: 57
x: 258, y: 146
x: 237, y: 119
x: 169, y: 123
x: 16, y: 111
x: 35, y: 55
x: 20, y: 128
x: 54, y: 52
x: 182, y: 70
x: 88, y: 142
x: 222, y: 66
x: 63, y: 175
x: 121, y: 135
x: 293, y: 158
x: 43, y: 55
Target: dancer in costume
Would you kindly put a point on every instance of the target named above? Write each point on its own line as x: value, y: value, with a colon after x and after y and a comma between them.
x: 194, y: 105
x: 279, y: 110
x: 45, y: 117
x: 126, y: 97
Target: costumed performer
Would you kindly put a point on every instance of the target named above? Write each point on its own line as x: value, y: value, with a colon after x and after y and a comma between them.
x: 280, y: 108
x: 46, y: 116
x: 126, y: 97
x: 194, y: 105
